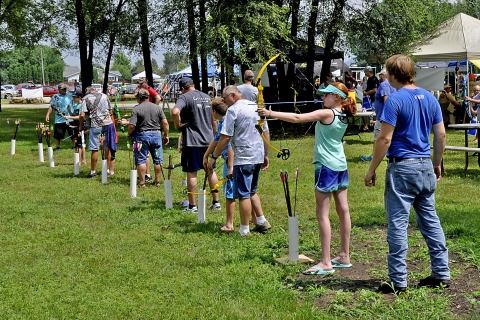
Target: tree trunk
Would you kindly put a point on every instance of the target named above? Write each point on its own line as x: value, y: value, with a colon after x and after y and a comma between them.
x: 286, y: 82
x: 142, y: 10
x: 312, y: 23
x: 222, y: 76
x: 113, y: 26
x: 192, y: 39
x: 203, y: 54
x: 86, y: 70
x: 331, y: 38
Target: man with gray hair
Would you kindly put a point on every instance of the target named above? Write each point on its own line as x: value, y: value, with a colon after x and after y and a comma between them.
x: 239, y: 129
x: 99, y: 110
x: 146, y: 120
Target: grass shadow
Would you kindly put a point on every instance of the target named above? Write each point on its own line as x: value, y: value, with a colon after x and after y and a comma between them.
x: 336, y: 283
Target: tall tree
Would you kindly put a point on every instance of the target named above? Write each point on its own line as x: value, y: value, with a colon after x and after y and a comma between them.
x: 192, y: 39
x: 113, y: 29
x: 331, y: 36
x: 311, y: 33
x: 85, y: 59
x: 142, y: 10
x: 203, y: 45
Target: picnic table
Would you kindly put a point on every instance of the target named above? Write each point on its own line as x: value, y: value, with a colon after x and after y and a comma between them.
x: 355, y: 123
x: 466, y: 148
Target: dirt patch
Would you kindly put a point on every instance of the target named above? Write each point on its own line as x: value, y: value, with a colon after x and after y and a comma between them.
x: 371, y: 270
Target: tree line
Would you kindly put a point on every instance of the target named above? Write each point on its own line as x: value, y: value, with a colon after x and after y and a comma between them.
x: 241, y: 32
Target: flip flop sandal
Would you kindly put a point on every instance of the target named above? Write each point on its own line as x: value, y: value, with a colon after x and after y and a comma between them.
x: 337, y: 264
x: 141, y: 185
x: 318, y: 270
x: 157, y: 184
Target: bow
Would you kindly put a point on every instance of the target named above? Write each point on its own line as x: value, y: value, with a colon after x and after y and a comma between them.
x: 284, y: 153
x: 17, y: 123
x: 215, y: 187
x: 295, y: 94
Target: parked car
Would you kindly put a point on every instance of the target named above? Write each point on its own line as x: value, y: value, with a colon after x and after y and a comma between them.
x: 49, y: 91
x: 8, y: 91
x: 117, y: 85
x: 28, y: 85
x: 97, y: 87
x: 131, y: 88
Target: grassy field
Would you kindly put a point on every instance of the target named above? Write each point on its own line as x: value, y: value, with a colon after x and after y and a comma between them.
x: 74, y: 248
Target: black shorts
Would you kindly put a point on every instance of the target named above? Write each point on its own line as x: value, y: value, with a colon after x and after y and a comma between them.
x: 60, y: 129
x: 192, y: 158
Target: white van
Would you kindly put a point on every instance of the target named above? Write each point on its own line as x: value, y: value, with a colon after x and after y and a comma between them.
x: 97, y: 87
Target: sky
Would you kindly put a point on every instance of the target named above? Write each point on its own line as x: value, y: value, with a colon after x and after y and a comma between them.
x: 73, y: 60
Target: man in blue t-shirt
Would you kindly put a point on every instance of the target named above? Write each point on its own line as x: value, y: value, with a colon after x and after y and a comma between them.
x: 381, y: 95
x: 411, y: 178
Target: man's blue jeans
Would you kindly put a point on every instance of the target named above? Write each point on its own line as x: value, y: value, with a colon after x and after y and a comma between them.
x: 413, y: 183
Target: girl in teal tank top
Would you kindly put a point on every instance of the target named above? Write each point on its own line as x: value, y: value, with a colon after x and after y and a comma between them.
x: 331, y: 177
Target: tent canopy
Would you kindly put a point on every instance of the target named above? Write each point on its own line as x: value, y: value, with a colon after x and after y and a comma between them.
x: 187, y: 71
x: 142, y: 75
x: 455, y: 39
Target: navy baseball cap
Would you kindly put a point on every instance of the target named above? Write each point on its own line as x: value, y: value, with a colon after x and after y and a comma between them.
x: 77, y: 94
x: 185, y: 83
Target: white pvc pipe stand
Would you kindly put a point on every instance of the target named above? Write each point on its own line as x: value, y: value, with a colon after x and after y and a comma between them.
x: 50, y: 157
x: 201, y: 204
x: 104, y: 172
x: 40, y: 152
x: 76, y: 163
x: 12, y: 148
x: 293, y: 238
x: 167, y: 184
x: 133, y: 183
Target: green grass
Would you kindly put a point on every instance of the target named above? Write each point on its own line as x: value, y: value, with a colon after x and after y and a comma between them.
x: 74, y: 248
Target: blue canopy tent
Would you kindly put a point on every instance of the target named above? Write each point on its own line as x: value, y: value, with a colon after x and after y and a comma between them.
x: 187, y: 71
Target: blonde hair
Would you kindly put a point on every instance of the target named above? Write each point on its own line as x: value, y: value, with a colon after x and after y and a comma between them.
x: 219, y: 106
x: 401, y: 68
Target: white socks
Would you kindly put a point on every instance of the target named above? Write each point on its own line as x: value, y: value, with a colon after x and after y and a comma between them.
x: 261, y: 220
x: 244, y: 230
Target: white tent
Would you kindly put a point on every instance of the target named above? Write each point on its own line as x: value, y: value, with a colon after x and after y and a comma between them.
x: 455, y: 39
x: 142, y: 75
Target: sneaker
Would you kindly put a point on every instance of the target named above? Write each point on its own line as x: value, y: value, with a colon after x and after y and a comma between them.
x: 365, y: 158
x: 91, y: 175
x: 192, y: 210
x: 262, y: 228
x: 386, y: 288
x: 184, y: 203
x: 215, y: 206
x: 431, y: 282
x: 148, y: 179
x: 246, y: 234
x: 56, y: 149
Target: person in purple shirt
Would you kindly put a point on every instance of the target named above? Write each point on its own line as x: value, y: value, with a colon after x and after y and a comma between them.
x: 411, y: 178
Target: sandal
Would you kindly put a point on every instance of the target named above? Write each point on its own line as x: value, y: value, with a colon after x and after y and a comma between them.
x: 156, y: 184
x: 141, y: 185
